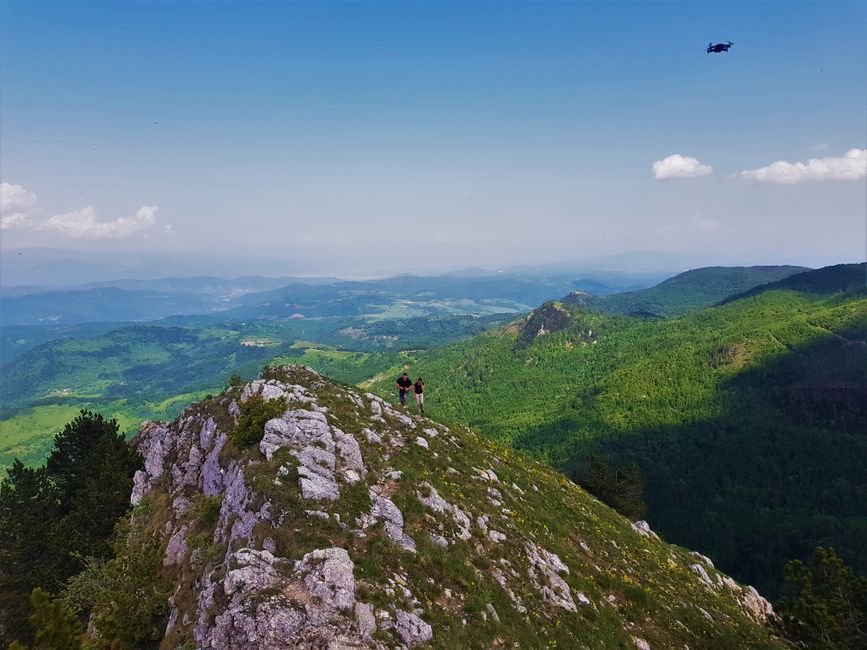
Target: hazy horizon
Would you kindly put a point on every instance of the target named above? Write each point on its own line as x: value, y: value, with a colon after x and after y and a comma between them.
x: 386, y: 138
x: 56, y: 267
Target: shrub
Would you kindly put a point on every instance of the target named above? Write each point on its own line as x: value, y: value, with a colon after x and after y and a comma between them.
x: 254, y: 413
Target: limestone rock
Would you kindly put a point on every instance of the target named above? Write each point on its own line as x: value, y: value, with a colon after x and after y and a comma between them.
x: 411, y: 629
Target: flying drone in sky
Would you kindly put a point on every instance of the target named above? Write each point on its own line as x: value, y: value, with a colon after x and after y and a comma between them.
x: 716, y: 48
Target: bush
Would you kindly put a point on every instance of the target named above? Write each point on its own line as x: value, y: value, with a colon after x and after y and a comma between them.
x: 254, y: 413
x: 126, y: 596
x: 56, y: 628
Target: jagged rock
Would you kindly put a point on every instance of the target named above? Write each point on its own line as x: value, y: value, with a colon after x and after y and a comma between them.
x: 702, y: 574
x: 544, y: 568
x: 316, y: 487
x: 755, y: 605
x: 254, y: 572
x: 421, y: 442
x: 328, y: 575
x: 436, y: 503
x: 323, y: 451
x: 384, y: 510
x: 371, y: 436
x: 272, y: 389
x: 237, y: 517
x: 176, y: 549
x: 411, y: 629
x: 643, y: 528
x: 365, y: 619
x: 500, y: 577
x: 212, y: 474
x: 154, y: 442
x: 439, y: 540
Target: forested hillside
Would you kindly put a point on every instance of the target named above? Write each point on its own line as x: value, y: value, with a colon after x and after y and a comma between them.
x: 138, y: 372
x: 692, y: 290
x: 747, y: 419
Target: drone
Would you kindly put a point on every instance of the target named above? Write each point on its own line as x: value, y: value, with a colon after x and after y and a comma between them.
x: 719, y: 47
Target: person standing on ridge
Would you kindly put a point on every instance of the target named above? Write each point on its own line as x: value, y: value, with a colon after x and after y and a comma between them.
x: 419, y: 394
x: 404, y: 383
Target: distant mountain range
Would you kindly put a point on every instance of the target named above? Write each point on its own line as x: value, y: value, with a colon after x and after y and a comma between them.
x: 282, y: 298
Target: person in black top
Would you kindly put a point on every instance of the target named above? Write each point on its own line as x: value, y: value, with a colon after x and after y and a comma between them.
x: 403, y: 385
x: 419, y: 394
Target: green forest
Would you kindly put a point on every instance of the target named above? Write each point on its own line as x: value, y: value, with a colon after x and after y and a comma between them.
x: 151, y: 371
x: 747, y: 419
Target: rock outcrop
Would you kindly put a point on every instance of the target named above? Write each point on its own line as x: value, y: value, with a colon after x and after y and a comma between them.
x: 352, y: 524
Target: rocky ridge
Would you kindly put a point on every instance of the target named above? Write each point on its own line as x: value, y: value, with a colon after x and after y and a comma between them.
x: 352, y: 524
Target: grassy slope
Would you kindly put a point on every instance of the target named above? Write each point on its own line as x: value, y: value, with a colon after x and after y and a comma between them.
x: 635, y: 586
x: 717, y: 407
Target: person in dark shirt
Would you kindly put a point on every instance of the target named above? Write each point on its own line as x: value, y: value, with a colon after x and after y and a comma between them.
x: 404, y: 383
x: 419, y: 394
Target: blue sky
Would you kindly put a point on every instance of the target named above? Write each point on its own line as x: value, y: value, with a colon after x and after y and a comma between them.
x: 435, y: 134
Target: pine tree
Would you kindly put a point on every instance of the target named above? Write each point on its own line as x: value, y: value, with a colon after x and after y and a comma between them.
x: 56, y: 628
x: 52, y: 517
x: 26, y: 516
x: 90, y: 471
x: 825, y: 606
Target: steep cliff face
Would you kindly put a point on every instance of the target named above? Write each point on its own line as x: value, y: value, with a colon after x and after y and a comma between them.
x: 351, y: 524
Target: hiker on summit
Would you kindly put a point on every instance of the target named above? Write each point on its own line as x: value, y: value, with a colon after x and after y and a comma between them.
x: 419, y: 394
x: 404, y: 383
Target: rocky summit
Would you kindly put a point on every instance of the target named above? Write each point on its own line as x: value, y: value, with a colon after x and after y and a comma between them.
x: 338, y: 521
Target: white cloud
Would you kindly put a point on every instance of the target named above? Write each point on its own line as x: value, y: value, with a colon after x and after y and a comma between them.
x: 15, y: 197
x: 851, y: 166
x: 15, y: 206
x: 15, y: 220
x: 82, y: 224
x: 820, y: 147
x: 677, y: 166
x: 18, y: 205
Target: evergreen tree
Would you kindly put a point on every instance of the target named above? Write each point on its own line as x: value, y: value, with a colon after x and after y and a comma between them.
x: 53, y: 517
x: 825, y: 603
x: 27, y: 513
x: 56, y: 628
x: 90, y: 471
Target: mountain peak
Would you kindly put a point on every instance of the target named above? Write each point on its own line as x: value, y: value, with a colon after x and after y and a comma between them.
x: 344, y: 522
